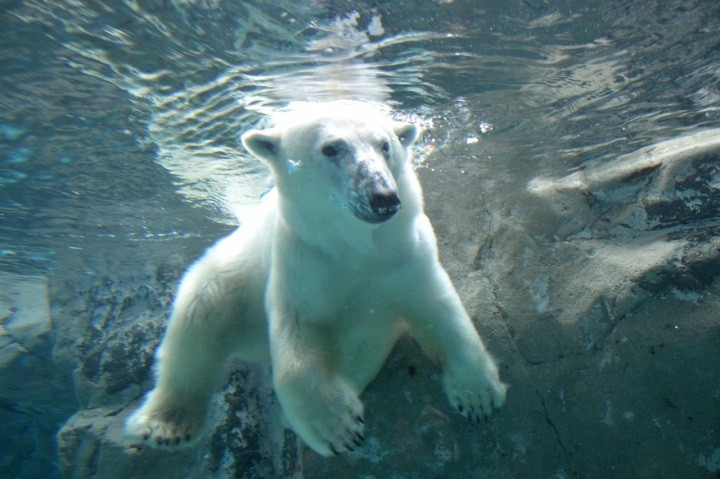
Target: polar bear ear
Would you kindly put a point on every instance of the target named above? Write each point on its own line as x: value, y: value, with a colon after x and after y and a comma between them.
x: 407, y: 133
x: 264, y: 144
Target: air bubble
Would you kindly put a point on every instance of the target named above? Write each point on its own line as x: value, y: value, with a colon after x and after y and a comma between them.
x: 294, y: 166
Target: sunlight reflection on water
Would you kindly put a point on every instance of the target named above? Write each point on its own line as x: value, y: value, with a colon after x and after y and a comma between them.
x: 178, y: 83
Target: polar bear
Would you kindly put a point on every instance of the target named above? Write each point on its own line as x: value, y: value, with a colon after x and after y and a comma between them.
x: 335, y: 263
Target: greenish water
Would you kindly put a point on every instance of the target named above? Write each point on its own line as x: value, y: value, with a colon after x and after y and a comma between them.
x: 119, y: 121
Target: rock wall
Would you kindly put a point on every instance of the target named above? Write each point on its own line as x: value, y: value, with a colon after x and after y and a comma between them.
x: 35, y: 395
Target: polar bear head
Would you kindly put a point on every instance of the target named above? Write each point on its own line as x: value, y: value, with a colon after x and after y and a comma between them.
x: 345, y: 153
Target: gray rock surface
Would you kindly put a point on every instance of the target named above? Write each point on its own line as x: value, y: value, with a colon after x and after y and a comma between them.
x: 35, y: 395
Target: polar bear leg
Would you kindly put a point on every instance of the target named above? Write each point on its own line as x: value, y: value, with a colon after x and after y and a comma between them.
x: 322, y: 407
x: 189, y: 363
x: 444, y: 330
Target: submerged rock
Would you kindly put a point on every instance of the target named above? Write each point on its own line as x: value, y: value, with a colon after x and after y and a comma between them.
x: 35, y: 395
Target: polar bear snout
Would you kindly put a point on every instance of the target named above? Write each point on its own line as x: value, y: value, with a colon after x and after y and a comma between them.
x: 374, y: 197
x: 376, y: 205
x: 384, y: 204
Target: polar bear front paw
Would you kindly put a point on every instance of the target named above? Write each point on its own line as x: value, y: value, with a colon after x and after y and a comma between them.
x: 145, y: 428
x: 330, y: 422
x: 475, y: 392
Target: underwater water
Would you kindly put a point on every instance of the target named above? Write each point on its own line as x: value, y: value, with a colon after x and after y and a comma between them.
x: 570, y: 161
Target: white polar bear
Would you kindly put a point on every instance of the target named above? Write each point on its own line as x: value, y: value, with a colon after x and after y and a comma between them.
x: 321, y: 280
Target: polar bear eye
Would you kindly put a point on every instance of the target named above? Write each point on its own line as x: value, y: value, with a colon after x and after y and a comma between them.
x: 330, y: 150
x: 386, y: 147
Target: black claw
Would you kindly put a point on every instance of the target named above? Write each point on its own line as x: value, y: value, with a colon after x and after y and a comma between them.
x: 146, y: 437
x: 360, y: 436
x: 167, y: 441
x: 187, y: 437
x: 460, y: 408
x: 357, y: 442
x: 347, y: 446
x: 177, y: 440
x: 332, y: 448
x: 487, y: 418
x: 159, y: 441
x: 360, y: 420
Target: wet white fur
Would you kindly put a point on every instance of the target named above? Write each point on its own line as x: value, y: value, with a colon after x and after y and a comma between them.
x: 318, y: 292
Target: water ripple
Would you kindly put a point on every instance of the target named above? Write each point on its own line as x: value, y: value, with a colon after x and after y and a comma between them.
x: 116, y: 88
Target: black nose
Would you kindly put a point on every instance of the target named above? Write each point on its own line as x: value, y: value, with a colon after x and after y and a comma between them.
x: 384, y: 205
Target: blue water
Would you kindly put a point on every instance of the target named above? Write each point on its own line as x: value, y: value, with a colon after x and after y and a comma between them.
x: 119, y: 124
x: 94, y: 93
